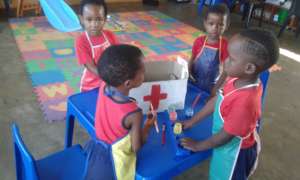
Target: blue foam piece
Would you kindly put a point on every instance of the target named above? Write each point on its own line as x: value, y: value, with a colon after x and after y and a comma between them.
x: 47, y: 77
x: 60, y: 15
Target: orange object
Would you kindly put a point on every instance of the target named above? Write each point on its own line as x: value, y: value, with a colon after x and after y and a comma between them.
x: 23, y: 6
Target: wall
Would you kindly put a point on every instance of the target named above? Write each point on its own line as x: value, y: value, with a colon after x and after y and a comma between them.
x: 14, y: 2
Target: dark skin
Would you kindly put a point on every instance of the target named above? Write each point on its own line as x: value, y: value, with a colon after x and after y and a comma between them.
x: 214, y: 25
x: 240, y: 65
x: 134, y: 121
x: 93, y: 19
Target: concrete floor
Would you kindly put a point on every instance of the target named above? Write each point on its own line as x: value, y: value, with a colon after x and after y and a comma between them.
x: 281, y: 142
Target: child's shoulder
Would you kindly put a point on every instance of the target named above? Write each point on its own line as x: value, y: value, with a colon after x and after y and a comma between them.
x: 202, y: 37
x: 108, y: 32
x: 81, y: 38
x: 199, y: 41
x: 246, y: 93
x: 224, y: 40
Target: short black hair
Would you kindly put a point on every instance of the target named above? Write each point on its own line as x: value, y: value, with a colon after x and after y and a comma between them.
x: 219, y: 9
x: 262, y: 45
x: 93, y: 2
x: 119, y: 63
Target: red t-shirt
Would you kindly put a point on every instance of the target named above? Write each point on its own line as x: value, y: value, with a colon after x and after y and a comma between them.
x: 199, y: 43
x: 241, y: 111
x: 83, y: 48
x: 110, y: 115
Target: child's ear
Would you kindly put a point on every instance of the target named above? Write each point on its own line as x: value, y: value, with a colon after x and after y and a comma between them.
x: 127, y: 83
x: 250, y: 68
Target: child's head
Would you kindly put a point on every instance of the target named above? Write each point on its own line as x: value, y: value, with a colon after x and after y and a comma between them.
x: 122, y: 65
x: 216, y: 20
x: 93, y: 15
x: 251, y: 52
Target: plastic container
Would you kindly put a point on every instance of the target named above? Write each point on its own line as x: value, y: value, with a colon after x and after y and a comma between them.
x: 282, y: 15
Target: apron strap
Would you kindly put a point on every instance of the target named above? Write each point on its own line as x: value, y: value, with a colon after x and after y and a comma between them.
x: 204, y: 44
x: 96, y: 46
x: 243, y: 87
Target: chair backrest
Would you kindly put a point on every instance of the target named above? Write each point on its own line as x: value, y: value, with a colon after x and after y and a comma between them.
x: 25, y: 163
x: 264, y: 78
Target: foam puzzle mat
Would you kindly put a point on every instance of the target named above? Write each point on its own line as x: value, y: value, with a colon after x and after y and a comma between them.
x: 51, y: 63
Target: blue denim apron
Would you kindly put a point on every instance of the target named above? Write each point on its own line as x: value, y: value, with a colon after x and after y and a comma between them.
x: 205, y: 67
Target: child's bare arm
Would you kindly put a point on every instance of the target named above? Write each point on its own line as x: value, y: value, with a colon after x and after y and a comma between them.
x: 216, y: 140
x: 138, y: 134
x: 134, y: 122
x: 91, y: 66
x: 205, y: 111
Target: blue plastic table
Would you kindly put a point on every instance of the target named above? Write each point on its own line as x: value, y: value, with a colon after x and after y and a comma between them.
x: 154, y: 160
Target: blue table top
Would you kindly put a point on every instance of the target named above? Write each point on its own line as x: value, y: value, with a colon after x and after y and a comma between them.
x: 154, y: 160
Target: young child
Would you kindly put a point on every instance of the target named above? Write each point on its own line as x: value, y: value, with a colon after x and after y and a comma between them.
x: 237, y: 107
x: 209, y: 51
x: 93, y: 41
x: 118, y: 119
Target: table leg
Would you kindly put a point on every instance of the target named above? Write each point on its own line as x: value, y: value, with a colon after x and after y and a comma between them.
x: 69, y: 130
x: 6, y: 4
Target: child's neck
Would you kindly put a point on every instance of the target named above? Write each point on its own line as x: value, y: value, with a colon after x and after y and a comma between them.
x: 241, y: 82
x: 94, y: 34
x: 122, y: 90
x: 212, y: 40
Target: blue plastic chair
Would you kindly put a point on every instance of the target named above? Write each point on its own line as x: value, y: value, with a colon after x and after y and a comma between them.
x: 213, y: 2
x: 264, y: 78
x: 67, y: 164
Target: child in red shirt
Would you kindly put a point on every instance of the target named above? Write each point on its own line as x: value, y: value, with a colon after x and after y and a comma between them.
x: 210, y: 51
x: 93, y: 41
x: 237, y: 108
x: 118, y: 119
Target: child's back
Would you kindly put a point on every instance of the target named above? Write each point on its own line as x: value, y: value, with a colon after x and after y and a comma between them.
x: 118, y: 119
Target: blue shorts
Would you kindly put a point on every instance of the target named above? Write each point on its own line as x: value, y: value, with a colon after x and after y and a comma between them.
x: 100, y: 165
x: 245, y: 163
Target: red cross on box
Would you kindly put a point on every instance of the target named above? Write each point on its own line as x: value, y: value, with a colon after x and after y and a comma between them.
x: 156, y: 96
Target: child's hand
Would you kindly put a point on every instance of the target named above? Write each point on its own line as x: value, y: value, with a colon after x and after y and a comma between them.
x: 191, y: 77
x: 189, y: 144
x: 187, y: 124
x: 275, y: 68
x: 151, y: 118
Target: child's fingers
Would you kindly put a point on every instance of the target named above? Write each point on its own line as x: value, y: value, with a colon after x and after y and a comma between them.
x: 187, y: 144
x: 186, y: 140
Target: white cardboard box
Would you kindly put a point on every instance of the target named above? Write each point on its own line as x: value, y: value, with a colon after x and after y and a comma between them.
x: 165, y: 85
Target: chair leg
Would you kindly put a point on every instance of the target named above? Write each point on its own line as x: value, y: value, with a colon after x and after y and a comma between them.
x: 249, y: 15
x: 69, y: 130
x: 261, y: 15
x: 285, y: 23
x: 245, y: 10
x: 298, y: 28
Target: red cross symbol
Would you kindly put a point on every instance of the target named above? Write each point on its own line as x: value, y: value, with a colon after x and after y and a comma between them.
x: 155, y: 96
